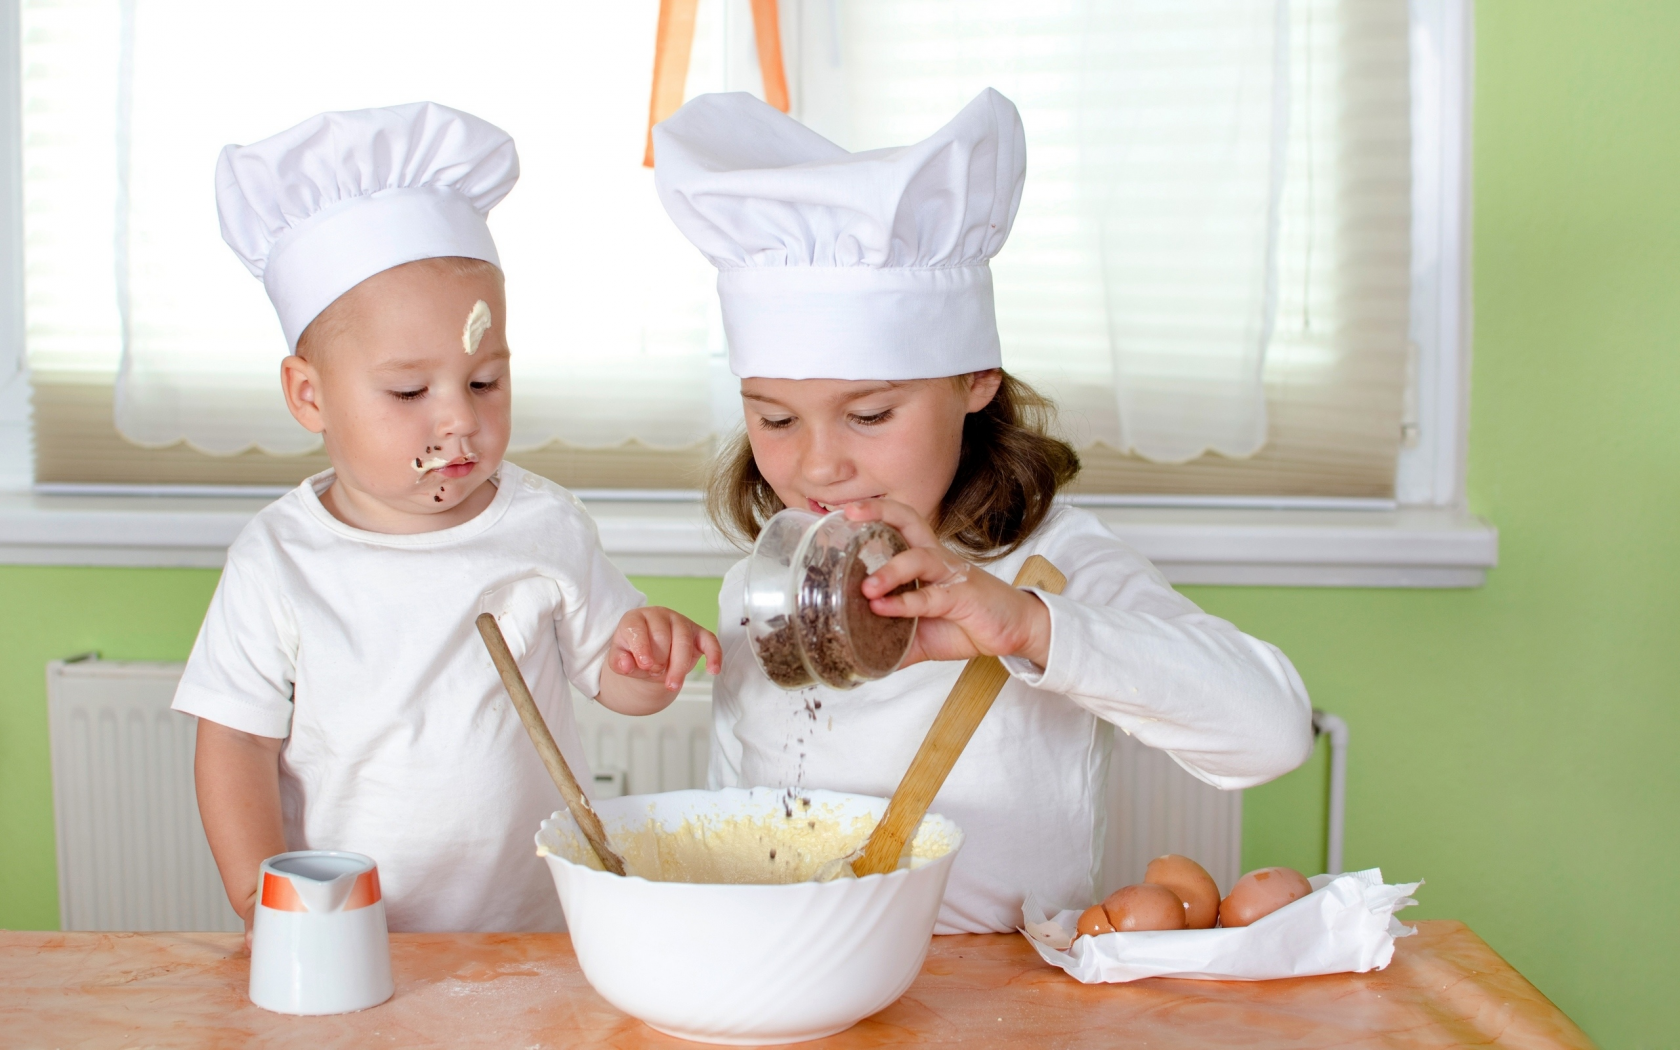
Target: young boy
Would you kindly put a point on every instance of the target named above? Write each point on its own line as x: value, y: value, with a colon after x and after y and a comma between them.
x: 345, y: 700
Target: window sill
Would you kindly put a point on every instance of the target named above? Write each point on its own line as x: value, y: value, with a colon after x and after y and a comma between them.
x: 1409, y: 547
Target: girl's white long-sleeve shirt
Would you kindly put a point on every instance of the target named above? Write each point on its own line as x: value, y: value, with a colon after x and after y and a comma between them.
x: 1125, y: 650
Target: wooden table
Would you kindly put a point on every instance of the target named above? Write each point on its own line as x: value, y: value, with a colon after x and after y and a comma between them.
x: 1445, y: 988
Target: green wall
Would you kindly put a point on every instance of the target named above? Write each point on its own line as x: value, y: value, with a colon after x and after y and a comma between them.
x: 1516, y: 745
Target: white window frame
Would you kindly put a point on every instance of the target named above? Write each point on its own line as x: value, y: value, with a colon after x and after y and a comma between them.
x: 1431, y: 470
x: 1425, y: 537
x: 17, y: 452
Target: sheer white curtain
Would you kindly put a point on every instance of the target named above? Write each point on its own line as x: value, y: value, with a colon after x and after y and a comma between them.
x: 1139, y: 286
x: 1211, y: 252
x: 1212, y: 240
x: 609, y: 308
x: 1183, y: 136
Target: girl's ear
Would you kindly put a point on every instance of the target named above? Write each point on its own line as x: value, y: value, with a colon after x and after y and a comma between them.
x: 982, y: 387
x: 301, y: 384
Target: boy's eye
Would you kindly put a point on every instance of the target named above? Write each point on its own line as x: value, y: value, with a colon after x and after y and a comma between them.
x: 769, y: 423
x: 870, y: 419
x: 408, y: 395
x: 487, y: 384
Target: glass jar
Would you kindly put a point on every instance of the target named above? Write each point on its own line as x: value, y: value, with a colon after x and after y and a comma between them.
x: 806, y: 614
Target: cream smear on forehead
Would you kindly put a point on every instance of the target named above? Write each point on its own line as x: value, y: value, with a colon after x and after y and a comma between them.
x: 478, y: 322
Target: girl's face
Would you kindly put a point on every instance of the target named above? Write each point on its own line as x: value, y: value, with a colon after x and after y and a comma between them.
x: 823, y: 443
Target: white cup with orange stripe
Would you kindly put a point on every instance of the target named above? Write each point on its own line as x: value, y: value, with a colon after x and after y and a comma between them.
x: 318, y: 942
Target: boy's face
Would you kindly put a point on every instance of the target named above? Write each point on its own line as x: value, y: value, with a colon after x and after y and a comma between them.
x: 413, y: 424
x: 823, y: 443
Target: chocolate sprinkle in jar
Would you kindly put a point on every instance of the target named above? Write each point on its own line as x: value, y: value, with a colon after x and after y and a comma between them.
x: 806, y: 614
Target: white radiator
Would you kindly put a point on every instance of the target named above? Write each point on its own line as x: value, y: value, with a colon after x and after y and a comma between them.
x: 639, y: 756
x: 132, y: 853
x: 131, y: 850
x: 1155, y: 807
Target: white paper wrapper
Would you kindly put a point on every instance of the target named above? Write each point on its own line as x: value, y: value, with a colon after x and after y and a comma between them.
x: 1346, y: 925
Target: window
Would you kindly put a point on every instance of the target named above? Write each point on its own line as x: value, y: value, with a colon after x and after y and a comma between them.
x: 1198, y: 174
x: 1243, y: 313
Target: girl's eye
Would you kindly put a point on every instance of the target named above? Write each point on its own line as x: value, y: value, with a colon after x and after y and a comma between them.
x: 408, y: 395
x: 873, y: 418
x: 775, y: 424
x: 487, y: 384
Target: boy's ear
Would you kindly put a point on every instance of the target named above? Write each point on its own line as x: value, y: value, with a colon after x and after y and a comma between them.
x: 982, y: 387
x: 301, y: 383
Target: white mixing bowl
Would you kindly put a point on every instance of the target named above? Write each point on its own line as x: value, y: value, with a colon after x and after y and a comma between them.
x: 746, y: 964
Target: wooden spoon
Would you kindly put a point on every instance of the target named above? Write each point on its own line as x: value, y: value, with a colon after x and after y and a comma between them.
x: 576, y: 800
x: 968, y: 702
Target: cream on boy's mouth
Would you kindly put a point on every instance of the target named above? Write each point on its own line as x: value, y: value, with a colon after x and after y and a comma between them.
x: 459, y: 467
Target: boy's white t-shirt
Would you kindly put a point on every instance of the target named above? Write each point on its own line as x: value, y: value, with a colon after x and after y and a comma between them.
x: 360, y: 649
x: 1126, y: 650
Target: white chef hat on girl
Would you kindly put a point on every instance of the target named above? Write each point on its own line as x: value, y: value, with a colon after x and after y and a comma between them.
x: 319, y: 208
x: 840, y: 265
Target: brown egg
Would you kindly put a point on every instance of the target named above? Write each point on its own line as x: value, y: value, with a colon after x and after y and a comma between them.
x: 1261, y: 892
x: 1144, y: 907
x: 1193, y: 885
x: 1094, y: 920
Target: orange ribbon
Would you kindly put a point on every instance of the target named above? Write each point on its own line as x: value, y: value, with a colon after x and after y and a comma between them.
x: 767, y: 32
x: 675, y: 43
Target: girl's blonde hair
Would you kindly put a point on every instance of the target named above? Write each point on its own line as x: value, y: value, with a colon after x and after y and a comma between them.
x: 1008, y: 472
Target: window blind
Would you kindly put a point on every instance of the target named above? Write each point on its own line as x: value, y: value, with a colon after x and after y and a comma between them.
x: 617, y: 348
x: 1329, y: 382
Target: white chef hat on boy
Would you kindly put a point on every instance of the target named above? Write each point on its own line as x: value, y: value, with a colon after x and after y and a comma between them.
x: 842, y: 265
x: 321, y: 207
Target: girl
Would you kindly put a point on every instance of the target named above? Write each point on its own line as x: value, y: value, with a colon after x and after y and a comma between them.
x: 857, y: 302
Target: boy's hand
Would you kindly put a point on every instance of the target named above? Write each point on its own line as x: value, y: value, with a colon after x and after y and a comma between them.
x: 656, y: 644
x: 965, y: 611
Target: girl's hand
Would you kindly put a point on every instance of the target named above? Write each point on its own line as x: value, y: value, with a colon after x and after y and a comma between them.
x: 965, y: 610
x: 653, y: 644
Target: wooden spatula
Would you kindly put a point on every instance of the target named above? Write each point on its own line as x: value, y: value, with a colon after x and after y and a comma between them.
x: 576, y: 800
x: 968, y: 702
